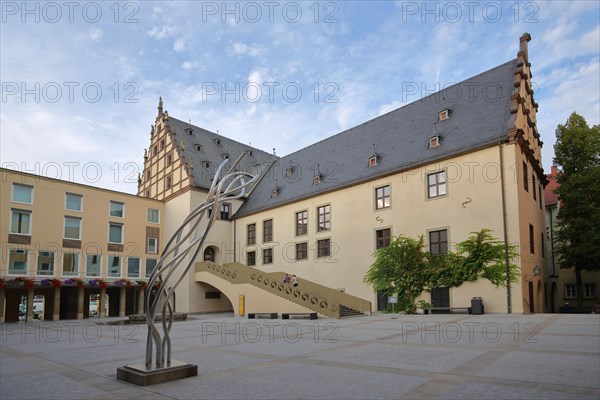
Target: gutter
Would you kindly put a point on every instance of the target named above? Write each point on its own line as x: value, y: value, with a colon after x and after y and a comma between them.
x: 505, y: 233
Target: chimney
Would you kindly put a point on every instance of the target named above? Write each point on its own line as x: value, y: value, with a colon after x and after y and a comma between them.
x: 554, y: 171
x: 523, y: 51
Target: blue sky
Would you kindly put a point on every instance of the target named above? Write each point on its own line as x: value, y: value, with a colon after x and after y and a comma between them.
x: 81, y: 80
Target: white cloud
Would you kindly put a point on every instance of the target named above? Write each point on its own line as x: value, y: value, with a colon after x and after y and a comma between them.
x: 179, y: 44
x: 162, y: 32
x: 254, y: 51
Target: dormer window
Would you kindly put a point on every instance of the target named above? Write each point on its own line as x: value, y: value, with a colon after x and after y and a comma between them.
x: 225, y: 156
x: 274, y: 193
x: 373, y: 161
x: 207, y: 165
x: 189, y: 131
x: 250, y: 153
x: 218, y: 142
x: 198, y: 147
x: 434, y: 141
x: 289, y: 171
x: 316, y: 179
x: 443, y: 115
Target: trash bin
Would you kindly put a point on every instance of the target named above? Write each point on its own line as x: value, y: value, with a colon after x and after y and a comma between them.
x: 477, y: 306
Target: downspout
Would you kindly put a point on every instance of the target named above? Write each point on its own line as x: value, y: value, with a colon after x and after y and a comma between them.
x: 552, y: 242
x: 506, y: 259
x: 234, y: 240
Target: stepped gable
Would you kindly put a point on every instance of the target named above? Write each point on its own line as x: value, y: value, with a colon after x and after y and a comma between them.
x: 479, y: 116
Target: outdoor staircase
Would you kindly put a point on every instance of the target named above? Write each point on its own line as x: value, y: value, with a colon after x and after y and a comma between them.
x: 316, y: 297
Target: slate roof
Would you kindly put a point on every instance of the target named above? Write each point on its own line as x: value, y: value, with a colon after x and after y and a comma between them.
x: 480, y: 116
x: 213, y: 149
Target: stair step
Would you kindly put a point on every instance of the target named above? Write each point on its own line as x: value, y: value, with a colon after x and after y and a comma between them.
x: 349, y: 312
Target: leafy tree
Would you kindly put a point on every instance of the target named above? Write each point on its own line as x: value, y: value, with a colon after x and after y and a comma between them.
x: 400, y: 269
x: 406, y: 270
x: 577, y: 154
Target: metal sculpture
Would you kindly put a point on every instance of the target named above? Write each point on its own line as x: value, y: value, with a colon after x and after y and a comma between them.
x: 188, y: 239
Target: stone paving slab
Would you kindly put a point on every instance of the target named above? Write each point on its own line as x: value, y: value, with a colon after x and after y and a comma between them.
x: 412, y: 356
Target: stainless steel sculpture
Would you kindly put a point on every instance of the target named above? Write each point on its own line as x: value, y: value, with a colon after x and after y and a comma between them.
x: 188, y: 239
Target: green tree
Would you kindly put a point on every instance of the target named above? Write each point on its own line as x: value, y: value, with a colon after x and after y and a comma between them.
x: 405, y: 269
x: 577, y: 154
x: 401, y: 270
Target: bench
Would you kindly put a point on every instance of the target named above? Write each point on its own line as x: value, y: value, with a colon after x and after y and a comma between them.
x: 308, y: 315
x: 447, y: 310
x: 272, y: 315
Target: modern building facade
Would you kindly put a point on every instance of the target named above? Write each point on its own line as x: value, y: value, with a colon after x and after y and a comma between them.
x: 451, y: 163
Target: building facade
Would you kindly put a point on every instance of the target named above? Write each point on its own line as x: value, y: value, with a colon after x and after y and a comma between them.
x: 449, y: 164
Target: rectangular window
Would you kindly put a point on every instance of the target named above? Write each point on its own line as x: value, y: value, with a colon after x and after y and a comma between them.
x: 72, y: 228
x: 152, y: 215
x: 436, y: 184
x: 531, y: 240
x: 150, y: 265
x: 92, y: 265
x: 570, y: 291
x: 323, y: 218
x: 20, y: 222
x: 251, y: 233
x: 525, y: 177
x: 70, y: 264
x: 589, y: 291
x: 382, y: 197
x: 543, y: 246
x: 251, y: 257
x: 114, y: 266
x: 268, y: 230
x: 533, y: 185
x: 301, y: 223
x: 225, y: 211
x: 438, y: 242
x: 17, y: 262
x: 152, y: 245
x: 168, y: 182
x: 117, y: 209
x: 115, y: 233
x: 22, y: 194
x: 45, y: 264
x: 73, y: 202
x: 540, y: 193
x: 383, y: 237
x: 212, y: 295
x: 267, y: 256
x: 133, y: 267
x: 323, y: 248
x: 301, y: 251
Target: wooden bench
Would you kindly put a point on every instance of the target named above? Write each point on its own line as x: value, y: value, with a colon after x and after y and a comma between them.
x: 448, y: 310
x: 307, y: 315
x: 272, y: 315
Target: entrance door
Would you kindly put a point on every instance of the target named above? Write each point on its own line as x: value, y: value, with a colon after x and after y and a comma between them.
x: 440, y: 297
x: 531, y: 304
x: 382, y: 301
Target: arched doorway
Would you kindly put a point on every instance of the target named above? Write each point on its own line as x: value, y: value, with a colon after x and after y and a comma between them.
x: 539, y: 298
x: 209, y: 254
x: 553, y: 297
x: 531, y: 298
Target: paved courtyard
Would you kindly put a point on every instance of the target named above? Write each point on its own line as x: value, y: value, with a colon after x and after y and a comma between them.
x: 426, y: 357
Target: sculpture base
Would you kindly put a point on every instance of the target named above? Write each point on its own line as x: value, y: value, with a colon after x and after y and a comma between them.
x: 140, y: 375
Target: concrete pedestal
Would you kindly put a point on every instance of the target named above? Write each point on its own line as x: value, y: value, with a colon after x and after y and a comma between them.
x: 140, y: 375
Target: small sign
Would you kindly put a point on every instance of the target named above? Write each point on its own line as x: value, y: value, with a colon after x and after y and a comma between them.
x: 393, y: 299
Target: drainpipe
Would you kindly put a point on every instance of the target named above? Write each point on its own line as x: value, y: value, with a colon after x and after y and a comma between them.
x: 234, y: 241
x: 506, y: 259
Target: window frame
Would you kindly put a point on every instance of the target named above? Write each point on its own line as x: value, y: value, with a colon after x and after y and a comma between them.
x: 148, y: 247
x: 65, y: 227
x: 11, y: 270
x: 301, y: 223
x: 98, y: 262
x: 299, y: 251
x: 225, y: 215
x: 531, y: 239
x: 570, y: 287
x: 251, y: 261
x: 157, y: 215
x: 110, y: 224
x: 525, y: 177
x: 267, y: 256
x: 76, y: 261
x: 439, y: 243
x: 251, y: 240
x: 326, y: 218
x: 31, y: 194
x: 437, y: 184
x: 383, y: 238
x: 146, y: 274
x: 322, y: 248
x: 29, y: 226
x: 109, y: 265
x: 139, y: 267
x: 110, y: 209
x: 80, y: 196
x: 383, y: 197
x: 268, y: 234
x: 39, y: 263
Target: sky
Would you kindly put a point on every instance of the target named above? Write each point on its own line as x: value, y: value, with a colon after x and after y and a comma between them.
x: 81, y: 79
